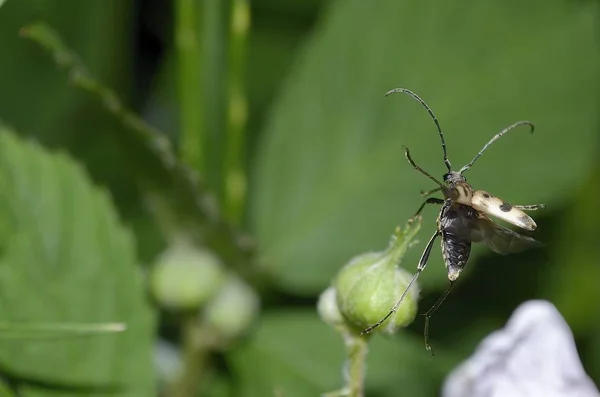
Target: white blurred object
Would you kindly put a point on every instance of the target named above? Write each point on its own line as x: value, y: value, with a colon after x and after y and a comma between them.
x: 167, y: 362
x: 533, y: 356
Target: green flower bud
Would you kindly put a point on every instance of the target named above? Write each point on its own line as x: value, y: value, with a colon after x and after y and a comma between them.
x: 186, y: 277
x: 371, y: 284
x: 328, y: 308
x: 232, y: 311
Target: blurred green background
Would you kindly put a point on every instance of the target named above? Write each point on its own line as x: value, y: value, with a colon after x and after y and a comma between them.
x: 300, y: 168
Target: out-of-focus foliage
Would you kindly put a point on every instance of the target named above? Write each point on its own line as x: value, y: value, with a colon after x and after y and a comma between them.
x: 327, y: 180
x: 574, y: 266
x: 331, y: 158
x: 311, y: 365
x: 66, y: 258
x: 5, y: 391
x: 97, y: 29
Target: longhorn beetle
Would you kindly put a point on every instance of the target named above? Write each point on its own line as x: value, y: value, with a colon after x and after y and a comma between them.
x: 463, y: 219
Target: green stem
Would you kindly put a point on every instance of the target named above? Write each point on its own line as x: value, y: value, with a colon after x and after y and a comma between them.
x: 237, y: 112
x: 189, y: 84
x: 354, y: 374
x: 195, y: 356
x: 357, y: 348
x: 214, y: 84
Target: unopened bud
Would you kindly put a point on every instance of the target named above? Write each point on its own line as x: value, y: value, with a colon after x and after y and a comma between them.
x: 185, y: 277
x: 328, y: 308
x: 372, y: 283
x: 233, y: 309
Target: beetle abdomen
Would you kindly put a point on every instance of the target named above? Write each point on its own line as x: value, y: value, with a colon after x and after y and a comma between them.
x: 455, y: 224
x: 455, y: 252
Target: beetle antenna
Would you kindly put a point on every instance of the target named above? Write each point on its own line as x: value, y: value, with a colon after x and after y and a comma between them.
x: 494, y: 139
x: 421, y: 170
x: 435, y: 120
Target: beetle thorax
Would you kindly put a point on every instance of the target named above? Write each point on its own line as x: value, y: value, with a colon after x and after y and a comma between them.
x: 458, y: 189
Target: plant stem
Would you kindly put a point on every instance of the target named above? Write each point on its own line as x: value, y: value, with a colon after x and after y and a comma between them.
x: 189, y: 84
x: 237, y: 113
x: 195, y: 355
x: 357, y: 347
x: 354, y: 370
x: 214, y: 85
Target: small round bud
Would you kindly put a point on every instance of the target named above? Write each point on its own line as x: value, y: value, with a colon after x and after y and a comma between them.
x: 328, y: 308
x: 232, y: 311
x: 369, y: 286
x: 185, y: 277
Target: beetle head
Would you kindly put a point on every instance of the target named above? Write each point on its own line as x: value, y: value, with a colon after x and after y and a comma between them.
x: 452, y: 178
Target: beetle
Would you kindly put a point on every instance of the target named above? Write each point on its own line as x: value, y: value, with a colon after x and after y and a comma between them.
x: 463, y: 219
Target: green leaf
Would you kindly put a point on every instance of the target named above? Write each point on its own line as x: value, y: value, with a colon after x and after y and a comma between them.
x: 2, y: 2
x: 571, y: 280
x: 4, y: 390
x: 295, y: 354
x: 331, y: 180
x: 65, y: 258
